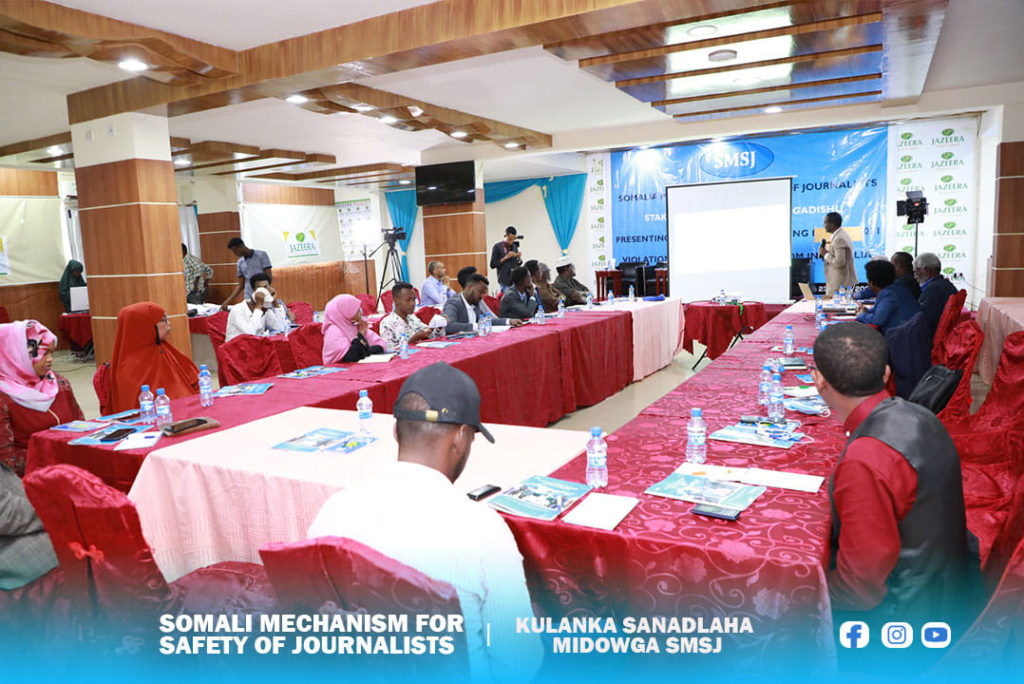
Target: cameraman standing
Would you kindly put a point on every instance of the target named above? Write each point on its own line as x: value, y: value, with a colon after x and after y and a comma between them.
x: 505, y: 256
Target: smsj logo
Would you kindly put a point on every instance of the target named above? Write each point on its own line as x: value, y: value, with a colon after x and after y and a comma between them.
x: 735, y: 160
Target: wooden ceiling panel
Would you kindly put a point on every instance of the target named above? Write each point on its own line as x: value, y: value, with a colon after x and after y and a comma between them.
x: 309, y: 163
x: 715, y: 83
x: 785, y: 105
x: 840, y: 87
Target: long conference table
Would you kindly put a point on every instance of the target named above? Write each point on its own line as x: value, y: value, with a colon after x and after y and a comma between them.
x: 527, y: 376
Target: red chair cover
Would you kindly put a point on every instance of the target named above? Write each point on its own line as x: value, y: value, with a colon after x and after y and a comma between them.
x: 4, y: 316
x: 367, y: 303
x: 992, y: 465
x: 302, y: 311
x: 493, y: 303
x: 387, y: 300
x: 246, y: 358
x: 307, y: 344
x: 962, y: 348
x: 108, y: 568
x: 217, y: 327
x: 426, y: 313
x: 101, y: 384
x: 1005, y: 400
x: 950, y: 317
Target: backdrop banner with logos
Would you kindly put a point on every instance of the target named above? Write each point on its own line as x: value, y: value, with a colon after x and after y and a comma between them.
x: 842, y: 171
x: 292, y: 234
x: 32, y: 226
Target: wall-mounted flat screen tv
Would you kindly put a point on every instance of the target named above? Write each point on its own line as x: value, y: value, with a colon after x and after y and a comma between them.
x: 453, y: 183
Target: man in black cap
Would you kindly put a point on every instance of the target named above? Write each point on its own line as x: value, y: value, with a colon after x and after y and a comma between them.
x: 411, y: 511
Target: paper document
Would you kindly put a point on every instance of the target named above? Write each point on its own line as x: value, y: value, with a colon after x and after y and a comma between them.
x: 783, y: 480
x: 601, y: 511
x: 801, y: 391
x: 138, y: 440
x: 377, y: 358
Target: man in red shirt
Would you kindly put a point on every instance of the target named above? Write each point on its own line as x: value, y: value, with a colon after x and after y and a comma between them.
x: 899, y: 534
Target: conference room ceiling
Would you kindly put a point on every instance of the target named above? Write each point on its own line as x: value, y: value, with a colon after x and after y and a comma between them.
x: 496, y: 80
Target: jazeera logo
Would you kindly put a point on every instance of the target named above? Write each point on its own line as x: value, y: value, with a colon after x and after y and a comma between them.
x: 907, y: 140
x: 947, y: 138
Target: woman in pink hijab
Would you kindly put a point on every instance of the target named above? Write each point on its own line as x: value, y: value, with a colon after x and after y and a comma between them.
x: 32, y: 397
x: 347, y: 337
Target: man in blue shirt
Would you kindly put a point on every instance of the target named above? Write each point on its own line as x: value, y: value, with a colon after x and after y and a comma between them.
x: 250, y: 262
x: 435, y: 290
x: 893, y: 303
x: 935, y: 289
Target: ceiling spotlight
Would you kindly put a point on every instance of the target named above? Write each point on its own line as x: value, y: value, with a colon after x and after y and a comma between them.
x: 55, y: 150
x: 415, y: 110
x: 459, y: 134
x: 388, y: 120
x: 703, y: 31
x: 432, y: 187
x: 511, y: 145
x: 181, y: 161
x: 363, y: 108
x: 772, y: 110
x: 405, y: 181
x: 722, y: 55
x: 133, y: 65
x: 297, y: 99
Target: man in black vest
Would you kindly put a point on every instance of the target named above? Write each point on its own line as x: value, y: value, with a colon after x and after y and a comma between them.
x: 899, y: 535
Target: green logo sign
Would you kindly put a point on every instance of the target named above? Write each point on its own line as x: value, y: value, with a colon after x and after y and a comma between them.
x: 300, y: 237
x: 904, y: 181
x: 601, y: 239
x: 947, y: 155
x: 600, y: 219
x: 600, y: 181
x: 908, y: 249
x: 949, y: 270
x: 949, y: 248
x: 950, y: 202
x: 949, y: 225
x: 905, y: 158
x: 600, y: 258
x: 946, y: 179
x: 947, y: 131
x: 906, y: 136
x: 600, y: 200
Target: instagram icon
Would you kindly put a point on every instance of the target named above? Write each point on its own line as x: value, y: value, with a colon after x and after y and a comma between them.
x: 897, y: 635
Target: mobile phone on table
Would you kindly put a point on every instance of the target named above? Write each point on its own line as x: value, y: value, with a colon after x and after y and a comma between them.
x: 483, y: 492
x: 716, y: 511
x: 117, y: 435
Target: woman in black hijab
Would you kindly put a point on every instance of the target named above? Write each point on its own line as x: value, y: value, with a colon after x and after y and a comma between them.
x: 72, y: 278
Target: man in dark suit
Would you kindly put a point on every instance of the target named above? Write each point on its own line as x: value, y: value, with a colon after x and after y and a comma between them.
x: 904, y: 265
x: 466, y: 309
x: 519, y: 300
x: 893, y: 304
x: 935, y: 289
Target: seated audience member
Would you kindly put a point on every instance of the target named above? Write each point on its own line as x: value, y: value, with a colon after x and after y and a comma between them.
x: 26, y: 553
x: 546, y: 295
x: 435, y: 290
x: 463, y: 275
x: 935, y: 289
x: 410, y: 511
x: 197, y: 277
x: 893, y: 303
x: 402, y: 319
x: 566, y: 284
x: 72, y: 277
x: 347, y: 337
x: 32, y: 396
x: 904, y: 265
x: 463, y: 311
x: 250, y: 263
x: 143, y: 356
x: 263, y: 311
x: 519, y: 301
x: 899, y: 531
x: 867, y: 293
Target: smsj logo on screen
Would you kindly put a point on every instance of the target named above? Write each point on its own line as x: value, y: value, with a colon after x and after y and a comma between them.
x: 854, y: 634
x: 936, y: 635
x: 897, y: 635
x: 735, y: 160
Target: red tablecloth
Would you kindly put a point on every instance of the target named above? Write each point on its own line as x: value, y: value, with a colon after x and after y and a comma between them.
x: 199, y: 325
x: 715, y: 326
x: 768, y: 566
x: 77, y: 327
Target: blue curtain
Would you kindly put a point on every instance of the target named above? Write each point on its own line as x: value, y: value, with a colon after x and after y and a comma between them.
x: 563, y: 198
x: 403, y: 210
x: 502, y: 190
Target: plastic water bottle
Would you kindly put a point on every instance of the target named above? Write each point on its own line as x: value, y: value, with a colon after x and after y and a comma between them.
x: 488, y: 322
x: 403, y: 346
x: 721, y: 297
x: 162, y: 404
x: 764, y: 385
x: 597, y: 459
x: 364, y: 408
x: 632, y: 294
x: 146, y: 410
x: 481, y: 326
x: 590, y: 301
x: 561, y: 307
x: 205, y: 386
x: 776, y: 407
x: 696, y: 438
x: 819, y: 312
x: 787, y: 341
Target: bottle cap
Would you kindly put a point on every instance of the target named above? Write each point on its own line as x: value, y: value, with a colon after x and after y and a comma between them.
x: 789, y: 327
x: 160, y: 391
x: 362, y: 393
x: 777, y: 376
x: 766, y: 366
x: 595, y: 431
x: 695, y: 413
x: 145, y: 388
x: 202, y: 367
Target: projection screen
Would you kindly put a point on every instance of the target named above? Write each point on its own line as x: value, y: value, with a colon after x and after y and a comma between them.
x: 734, y: 236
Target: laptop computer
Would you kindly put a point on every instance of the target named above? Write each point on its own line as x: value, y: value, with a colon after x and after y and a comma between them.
x: 805, y: 290
x: 79, y: 299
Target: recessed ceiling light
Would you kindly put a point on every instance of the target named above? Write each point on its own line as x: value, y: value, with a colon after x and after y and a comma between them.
x: 722, y: 55
x: 415, y: 110
x: 132, y: 65
x: 511, y: 145
x: 181, y: 161
x: 772, y: 110
x: 703, y: 31
x: 55, y: 149
x: 459, y: 134
x: 388, y: 120
x: 363, y: 108
x: 405, y: 181
x: 432, y: 187
x: 297, y: 99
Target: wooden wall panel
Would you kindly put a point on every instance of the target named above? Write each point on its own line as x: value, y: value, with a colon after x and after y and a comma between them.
x: 24, y: 183
x: 1007, y: 275
x: 215, y: 248
x: 439, y: 209
x: 107, y: 296
x: 1007, y: 283
x: 353, y: 280
x: 126, y: 181
x: 454, y: 263
x: 219, y: 222
x: 266, y: 193
x: 1008, y: 251
x: 225, y: 274
x: 1010, y: 159
x: 38, y: 301
x: 133, y: 238
x: 454, y: 234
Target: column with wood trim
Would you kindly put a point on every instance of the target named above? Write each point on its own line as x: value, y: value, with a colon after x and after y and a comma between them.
x: 1007, y: 278
x: 457, y: 235
x: 219, y: 220
x: 131, y: 237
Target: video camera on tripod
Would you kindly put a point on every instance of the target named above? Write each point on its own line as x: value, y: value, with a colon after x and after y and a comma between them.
x: 915, y: 207
x: 393, y: 235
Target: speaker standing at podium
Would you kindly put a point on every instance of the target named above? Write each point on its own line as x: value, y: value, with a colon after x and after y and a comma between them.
x: 839, y: 267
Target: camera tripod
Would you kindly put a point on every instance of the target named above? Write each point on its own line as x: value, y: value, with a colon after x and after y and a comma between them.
x: 392, y: 261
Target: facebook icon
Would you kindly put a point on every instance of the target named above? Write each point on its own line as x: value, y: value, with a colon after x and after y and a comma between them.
x: 854, y: 634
